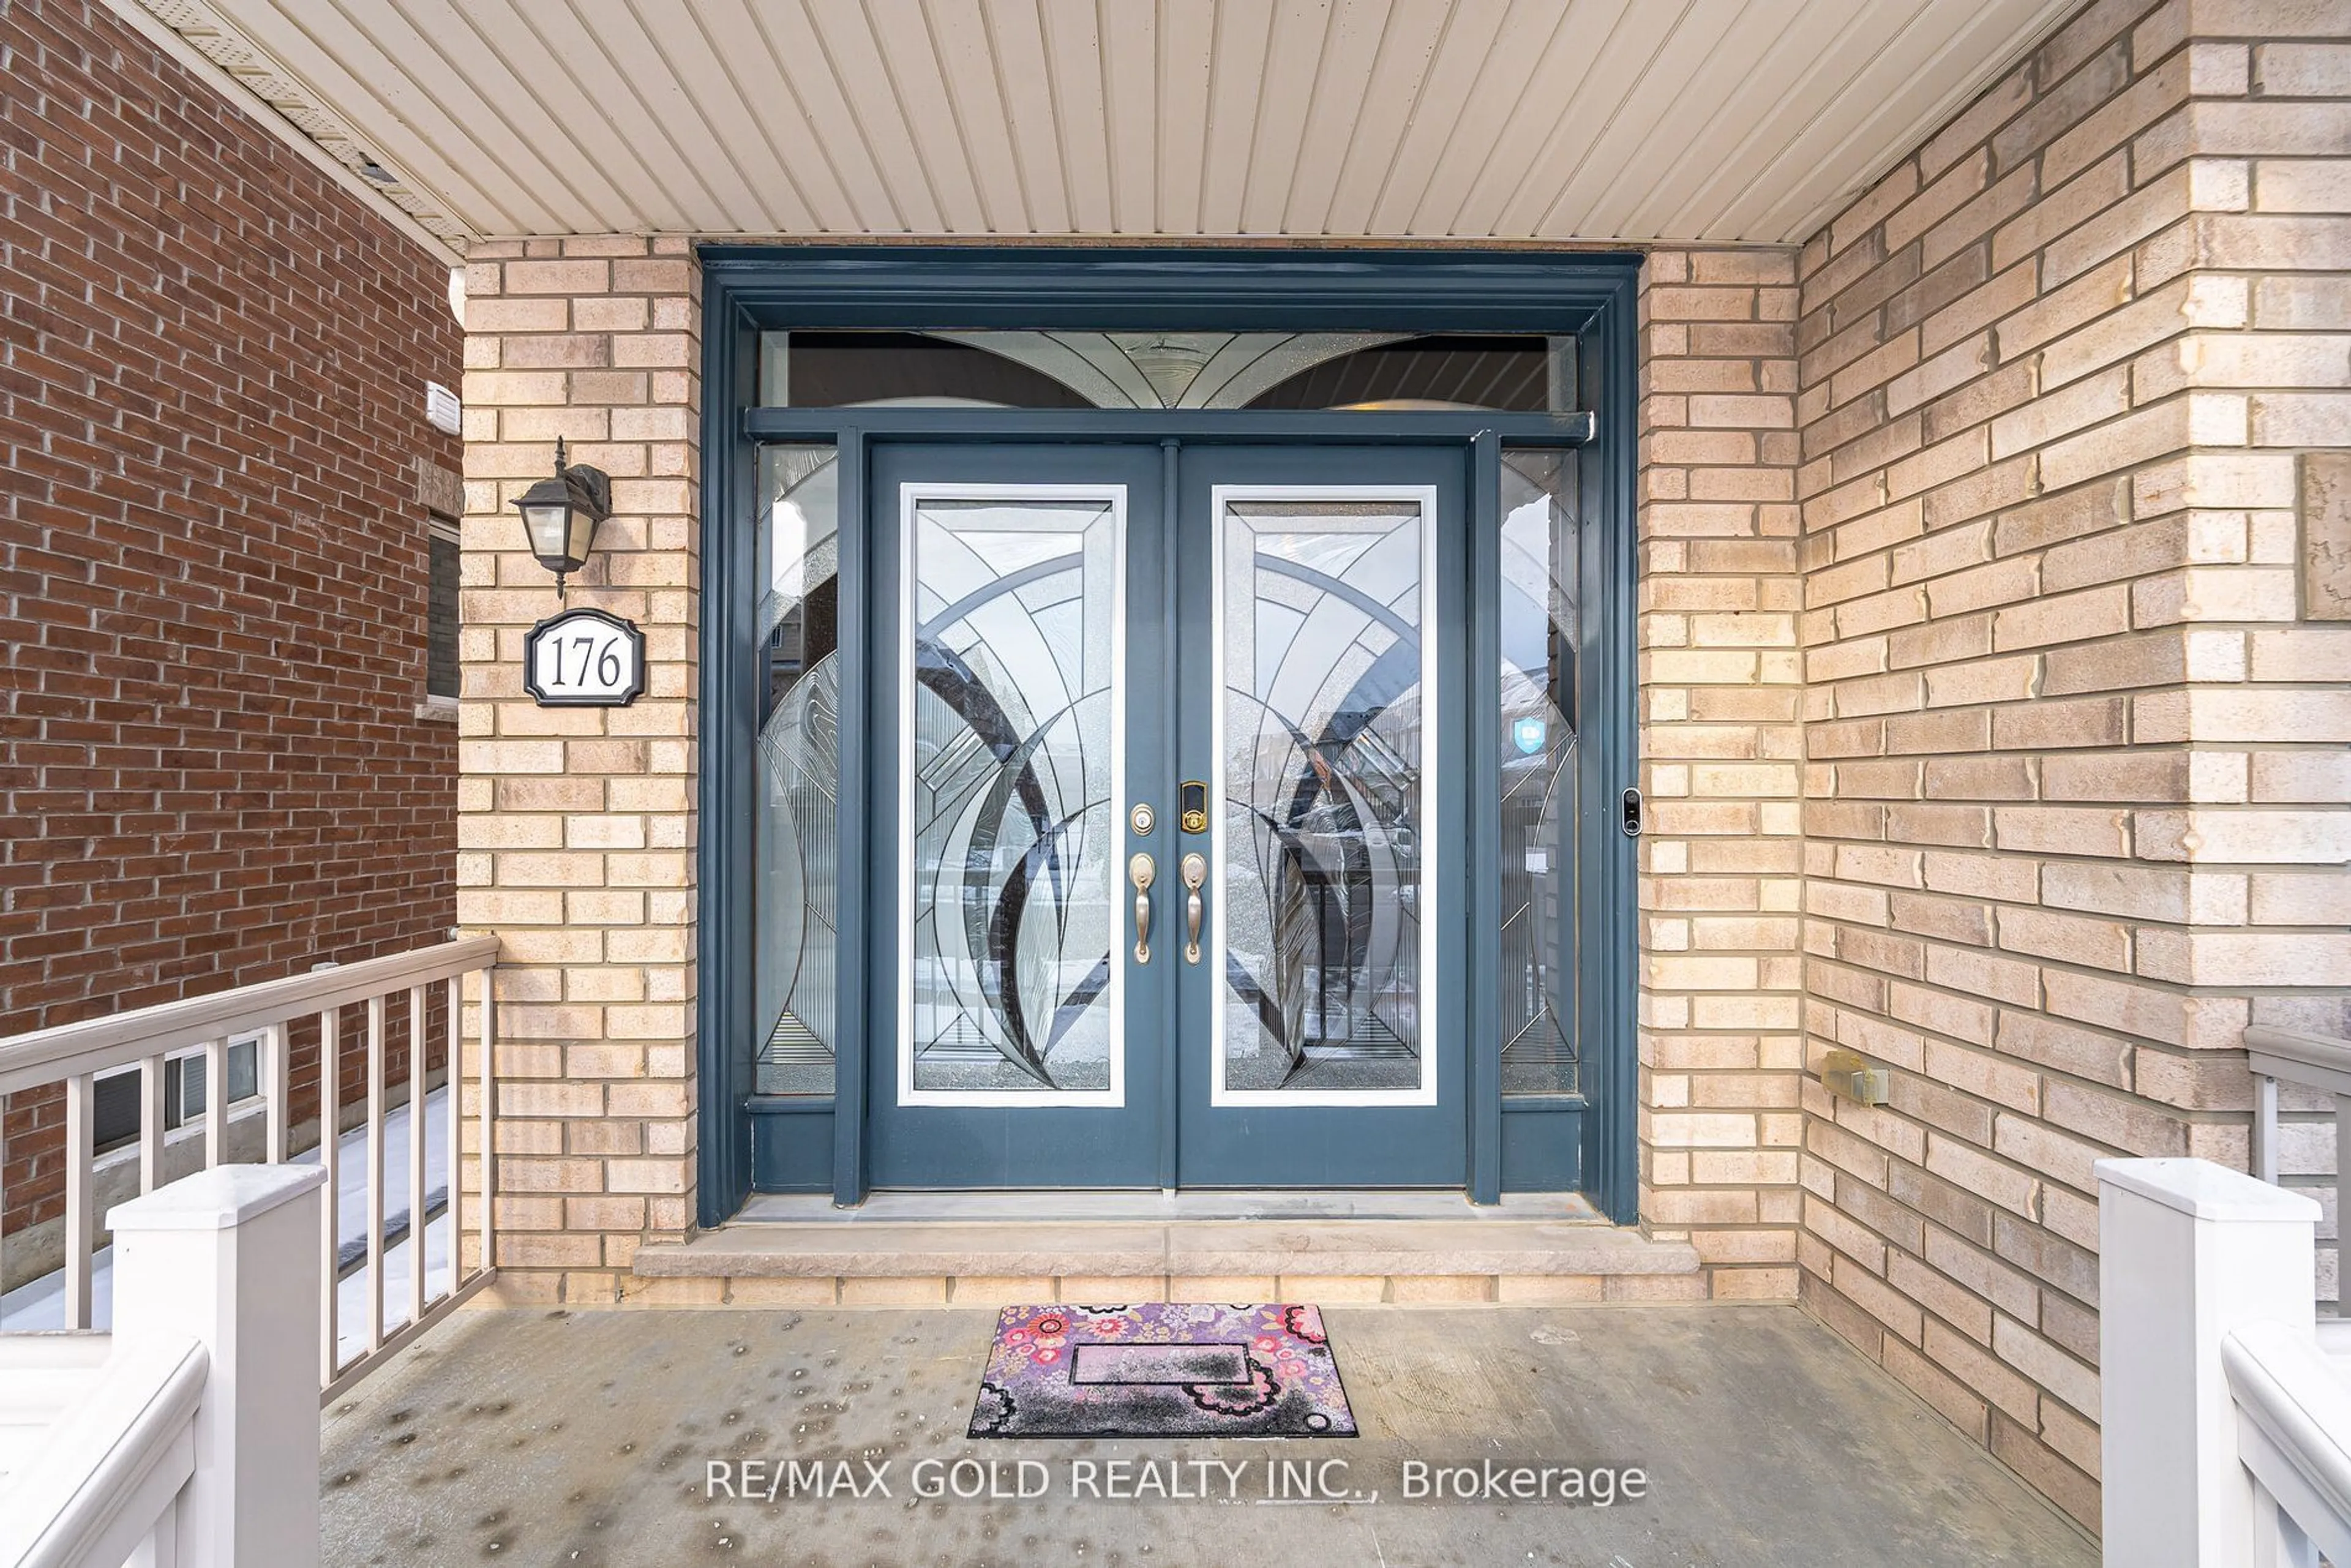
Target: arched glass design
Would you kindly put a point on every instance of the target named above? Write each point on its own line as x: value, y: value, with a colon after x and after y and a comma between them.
x: 1324, y: 689
x: 1510, y: 373
x: 798, y: 766
x: 1166, y: 369
x: 1010, y: 761
x: 1541, y: 632
x: 840, y: 370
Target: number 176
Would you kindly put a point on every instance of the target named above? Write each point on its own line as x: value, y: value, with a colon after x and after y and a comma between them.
x: 603, y: 652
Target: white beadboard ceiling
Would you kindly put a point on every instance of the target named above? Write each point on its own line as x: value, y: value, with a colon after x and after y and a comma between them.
x: 1729, y: 120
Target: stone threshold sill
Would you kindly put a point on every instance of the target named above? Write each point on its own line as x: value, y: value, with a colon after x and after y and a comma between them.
x: 1256, y: 1249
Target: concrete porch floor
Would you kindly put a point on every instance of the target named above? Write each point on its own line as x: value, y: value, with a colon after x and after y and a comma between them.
x: 583, y: 1439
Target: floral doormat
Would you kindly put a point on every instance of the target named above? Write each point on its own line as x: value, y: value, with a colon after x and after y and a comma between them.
x: 1161, y: 1370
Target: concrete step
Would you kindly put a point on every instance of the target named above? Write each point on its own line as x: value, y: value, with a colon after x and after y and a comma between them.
x: 933, y: 1263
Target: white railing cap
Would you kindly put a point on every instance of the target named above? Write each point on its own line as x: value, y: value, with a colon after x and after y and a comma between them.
x: 2278, y: 1051
x: 220, y: 1198
x: 2203, y: 1190
x: 2289, y: 1389
x: 67, y: 1505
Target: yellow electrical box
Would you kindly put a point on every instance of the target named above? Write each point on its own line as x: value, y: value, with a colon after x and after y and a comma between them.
x: 1846, y: 1073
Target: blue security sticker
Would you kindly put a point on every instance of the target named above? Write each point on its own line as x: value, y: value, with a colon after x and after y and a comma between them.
x: 1529, y: 734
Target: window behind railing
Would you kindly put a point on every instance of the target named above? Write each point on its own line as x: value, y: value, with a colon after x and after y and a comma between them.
x: 115, y: 1095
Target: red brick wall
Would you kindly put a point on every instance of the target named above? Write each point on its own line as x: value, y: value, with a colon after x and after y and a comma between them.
x: 212, y: 561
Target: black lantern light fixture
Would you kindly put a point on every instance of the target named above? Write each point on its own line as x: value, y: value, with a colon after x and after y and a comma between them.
x: 561, y: 515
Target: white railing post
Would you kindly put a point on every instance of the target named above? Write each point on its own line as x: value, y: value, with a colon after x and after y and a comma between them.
x: 230, y: 1258
x: 2187, y: 1250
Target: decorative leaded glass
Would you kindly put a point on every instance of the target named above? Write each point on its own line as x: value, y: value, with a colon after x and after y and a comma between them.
x: 800, y: 770
x: 1321, y: 879
x: 1540, y: 628
x: 1011, y: 766
x: 1067, y: 368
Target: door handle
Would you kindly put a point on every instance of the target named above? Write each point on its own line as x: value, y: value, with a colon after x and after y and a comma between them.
x: 1140, y: 871
x: 1196, y: 871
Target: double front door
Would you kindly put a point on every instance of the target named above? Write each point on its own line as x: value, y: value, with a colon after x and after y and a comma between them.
x: 1168, y: 773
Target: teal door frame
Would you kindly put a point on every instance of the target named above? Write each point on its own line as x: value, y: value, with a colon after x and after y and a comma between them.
x: 819, y: 1142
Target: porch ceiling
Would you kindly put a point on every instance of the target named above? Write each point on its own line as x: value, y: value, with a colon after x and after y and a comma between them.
x: 1727, y: 121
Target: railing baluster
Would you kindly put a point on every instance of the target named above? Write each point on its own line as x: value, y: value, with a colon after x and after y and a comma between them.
x: 2278, y: 1541
x: 452, y: 1090
x: 2342, y: 1192
x: 151, y: 1071
x: 80, y: 1093
x: 273, y: 1076
x: 161, y: 1548
x: 416, y: 1147
x: 2265, y: 1127
x: 489, y: 1120
x: 216, y: 1102
x: 331, y: 1058
x: 375, y: 1173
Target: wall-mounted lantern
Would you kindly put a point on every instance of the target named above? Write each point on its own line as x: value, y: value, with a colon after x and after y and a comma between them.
x: 561, y: 515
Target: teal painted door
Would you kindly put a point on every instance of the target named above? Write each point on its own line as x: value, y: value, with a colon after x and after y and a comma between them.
x: 1169, y: 812
x: 1018, y: 638
x: 1321, y: 609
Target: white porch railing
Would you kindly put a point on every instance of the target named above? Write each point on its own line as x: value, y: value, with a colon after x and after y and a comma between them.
x: 189, y: 1436
x: 379, y: 1002
x: 2225, y: 1430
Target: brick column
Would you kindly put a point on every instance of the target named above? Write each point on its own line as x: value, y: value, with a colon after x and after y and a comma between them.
x: 1721, y: 1041
x: 576, y: 825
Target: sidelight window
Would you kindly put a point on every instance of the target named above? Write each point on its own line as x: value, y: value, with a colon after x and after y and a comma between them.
x: 798, y: 768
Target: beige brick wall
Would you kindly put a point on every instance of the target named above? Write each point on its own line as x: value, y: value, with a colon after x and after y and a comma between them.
x: 1721, y: 747
x: 2076, y: 776
x: 576, y: 829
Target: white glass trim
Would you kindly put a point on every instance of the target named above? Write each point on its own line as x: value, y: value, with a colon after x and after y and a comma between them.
x: 911, y: 498
x: 1213, y: 952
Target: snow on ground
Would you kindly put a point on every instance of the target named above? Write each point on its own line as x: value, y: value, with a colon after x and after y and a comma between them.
x: 40, y: 1303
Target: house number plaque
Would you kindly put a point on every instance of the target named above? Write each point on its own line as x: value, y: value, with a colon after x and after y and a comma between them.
x: 584, y: 658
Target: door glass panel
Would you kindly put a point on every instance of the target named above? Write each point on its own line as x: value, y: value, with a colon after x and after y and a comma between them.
x: 799, y: 764
x: 1012, y: 760
x: 1320, y: 863
x: 1541, y: 635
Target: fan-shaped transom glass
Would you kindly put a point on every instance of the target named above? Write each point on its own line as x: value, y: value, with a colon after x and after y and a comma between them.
x: 1519, y: 373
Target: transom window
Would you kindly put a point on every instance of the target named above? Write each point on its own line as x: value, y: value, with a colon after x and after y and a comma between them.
x: 1519, y: 373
